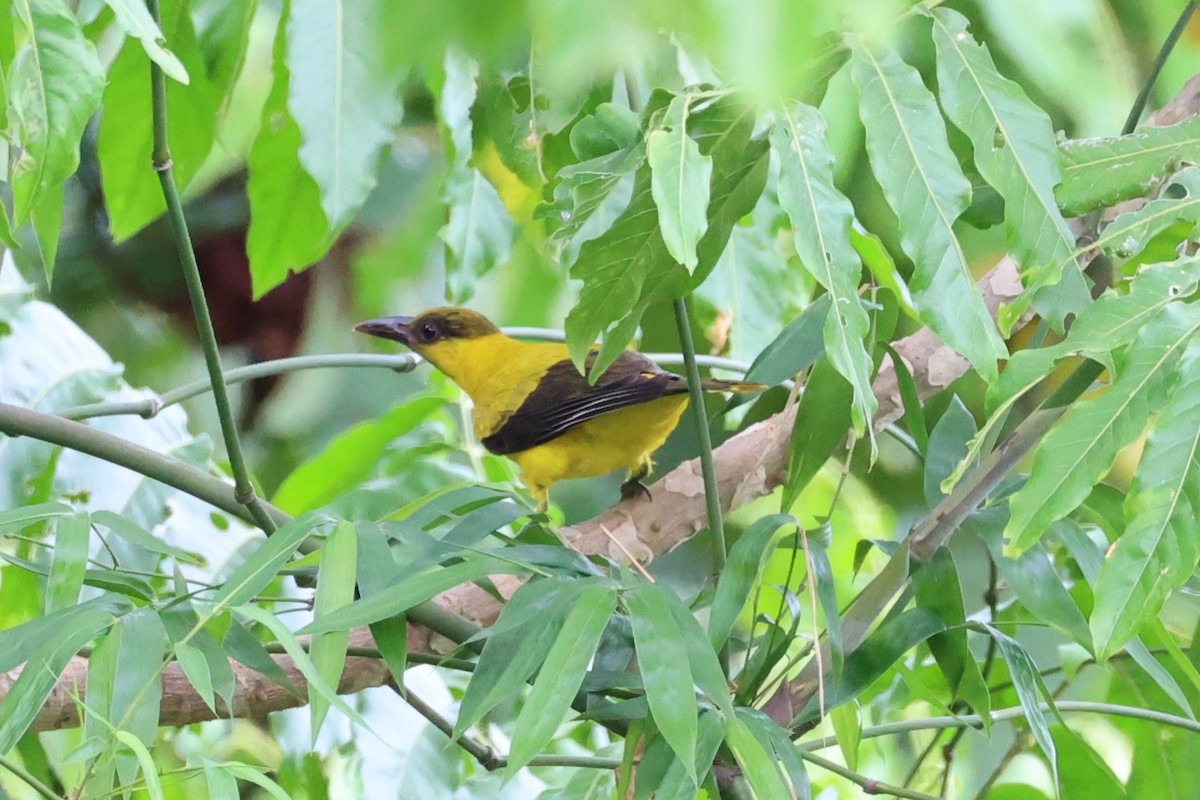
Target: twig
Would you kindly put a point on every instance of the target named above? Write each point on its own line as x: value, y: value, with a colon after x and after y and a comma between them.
x: 869, y: 785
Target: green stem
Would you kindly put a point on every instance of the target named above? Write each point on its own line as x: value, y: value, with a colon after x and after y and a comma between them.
x: 243, y: 486
x: 1015, y: 712
x: 1135, y: 113
x: 28, y: 779
x: 869, y: 785
x: 149, y: 407
x: 712, y: 496
x: 17, y: 421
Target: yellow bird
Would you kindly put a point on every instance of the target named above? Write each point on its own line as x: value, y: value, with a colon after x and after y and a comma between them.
x: 533, y: 405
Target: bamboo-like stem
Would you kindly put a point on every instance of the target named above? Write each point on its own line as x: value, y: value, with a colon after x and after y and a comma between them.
x: 243, y: 485
x: 711, y: 494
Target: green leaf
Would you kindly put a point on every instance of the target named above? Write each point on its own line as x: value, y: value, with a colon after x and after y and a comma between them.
x: 402, y: 596
x: 289, y: 231
x: 53, y: 648
x: 776, y: 742
x: 662, y: 776
x: 1160, y: 545
x: 919, y: 175
x: 142, y: 539
x: 54, y: 86
x: 133, y: 196
x: 1109, y: 323
x: 47, y: 225
x: 822, y: 218
x: 300, y: 658
x: 746, y: 560
x: 242, y: 645
x: 351, y: 457
x: 1081, y: 448
x: 517, y: 644
x: 847, y: 729
x: 679, y: 183
x: 1097, y: 173
x: 823, y: 582
x: 125, y: 677
x: 822, y: 420
x: 376, y: 566
x: 876, y: 655
x: 947, y: 447
x: 561, y: 675
x: 479, y: 233
x: 1030, y: 691
x: 1129, y: 233
x: 795, y: 349
x: 757, y: 761
x: 666, y: 677
x: 591, y: 193
x: 344, y: 95
x: 1015, y: 152
x: 15, y: 519
x: 1083, y: 773
x: 707, y: 673
x: 1032, y: 577
x: 23, y: 642
x: 262, y: 567
x: 134, y: 18
x: 629, y: 267
x: 69, y: 564
x: 335, y: 589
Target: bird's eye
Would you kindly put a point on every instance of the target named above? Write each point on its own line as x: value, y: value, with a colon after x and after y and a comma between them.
x: 428, y: 332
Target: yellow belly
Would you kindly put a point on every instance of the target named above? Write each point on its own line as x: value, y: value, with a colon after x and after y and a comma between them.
x: 622, y: 439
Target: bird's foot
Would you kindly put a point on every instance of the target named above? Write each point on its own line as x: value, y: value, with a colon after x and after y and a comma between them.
x: 634, y: 487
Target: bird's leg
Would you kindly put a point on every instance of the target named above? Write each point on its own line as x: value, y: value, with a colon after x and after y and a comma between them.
x: 634, y: 486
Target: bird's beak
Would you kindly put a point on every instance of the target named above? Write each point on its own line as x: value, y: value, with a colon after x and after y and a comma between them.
x: 394, y: 328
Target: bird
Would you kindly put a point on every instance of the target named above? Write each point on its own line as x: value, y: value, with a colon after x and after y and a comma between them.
x: 532, y: 404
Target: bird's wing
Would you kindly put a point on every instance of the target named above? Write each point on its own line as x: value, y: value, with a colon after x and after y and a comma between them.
x: 563, y: 399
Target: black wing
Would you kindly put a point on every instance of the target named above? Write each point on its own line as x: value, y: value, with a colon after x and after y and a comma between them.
x: 563, y: 399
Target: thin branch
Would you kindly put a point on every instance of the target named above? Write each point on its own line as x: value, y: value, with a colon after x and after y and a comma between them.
x: 869, y: 785
x: 1015, y: 712
x: 485, y: 755
x: 149, y: 407
x: 243, y: 486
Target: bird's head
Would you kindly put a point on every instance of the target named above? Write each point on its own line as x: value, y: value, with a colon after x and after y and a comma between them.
x: 433, y: 334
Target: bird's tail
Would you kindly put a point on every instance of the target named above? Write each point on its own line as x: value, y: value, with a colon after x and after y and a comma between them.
x: 737, y: 387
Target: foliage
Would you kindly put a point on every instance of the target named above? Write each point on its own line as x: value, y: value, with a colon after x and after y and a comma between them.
x: 740, y: 164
